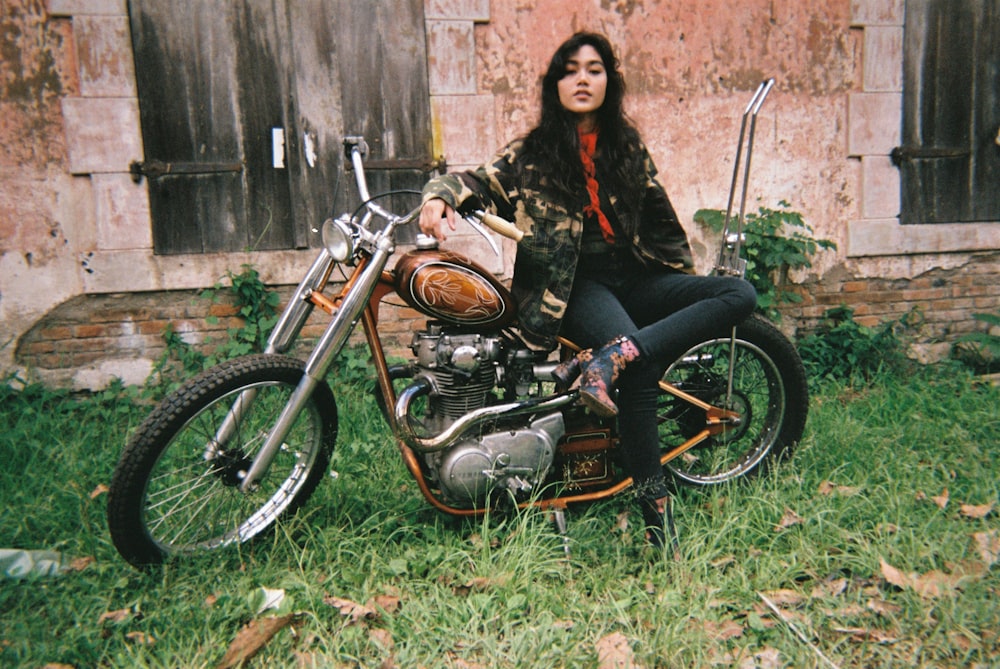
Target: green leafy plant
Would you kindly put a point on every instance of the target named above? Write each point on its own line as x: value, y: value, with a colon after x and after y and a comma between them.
x: 841, y: 348
x: 980, y: 350
x: 257, y: 307
x: 179, y: 359
x: 777, y: 240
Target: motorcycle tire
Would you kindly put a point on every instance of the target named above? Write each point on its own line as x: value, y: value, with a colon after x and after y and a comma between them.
x: 176, y: 488
x: 770, y: 393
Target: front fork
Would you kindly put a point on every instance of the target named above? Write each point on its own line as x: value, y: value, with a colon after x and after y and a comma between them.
x: 285, y: 331
x: 354, y: 301
x: 345, y: 317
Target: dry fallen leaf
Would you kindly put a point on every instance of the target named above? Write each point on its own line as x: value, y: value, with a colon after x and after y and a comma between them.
x: 942, y: 499
x: 98, y: 491
x: 980, y: 511
x: 883, y: 608
x: 829, y: 588
x: 932, y: 584
x: 846, y: 611
x: 615, y: 652
x: 790, y: 518
x: 118, y: 616
x: 388, y: 603
x: 140, y: 638
x: 828, y: 488
x: 382, y: 638
x: 81, y: 563
x: 304, y: 659
x: 866, y: 635
x: 722, y: 631
x: 988, y: 544
x: 350, y: 609
x: 251, y: 638
x: 785, y: 597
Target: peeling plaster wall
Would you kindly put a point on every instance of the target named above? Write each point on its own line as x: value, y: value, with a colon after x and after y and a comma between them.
x: 691, y: 67
x: 822, y: 142
x: 75, y: 231
x: 45, y: 214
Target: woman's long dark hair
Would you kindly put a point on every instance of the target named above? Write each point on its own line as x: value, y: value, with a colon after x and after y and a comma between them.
x: 553, y: 146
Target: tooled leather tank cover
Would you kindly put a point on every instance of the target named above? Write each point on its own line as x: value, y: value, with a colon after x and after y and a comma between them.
x: 448, y: 286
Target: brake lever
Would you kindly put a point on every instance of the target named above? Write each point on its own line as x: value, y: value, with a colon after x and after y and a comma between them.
x: 478, y: 227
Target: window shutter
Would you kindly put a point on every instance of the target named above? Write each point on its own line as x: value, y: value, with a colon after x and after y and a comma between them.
x: 950, y: 160
x: 243, y: 105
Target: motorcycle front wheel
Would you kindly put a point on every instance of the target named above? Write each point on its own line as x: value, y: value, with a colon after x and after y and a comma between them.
x: 176, y: 488
x: 770, y: 394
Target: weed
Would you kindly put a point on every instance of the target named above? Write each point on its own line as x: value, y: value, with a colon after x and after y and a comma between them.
x: 777, y: 241
x: 256, y: 306
x: 980, y: 350
x: 843, y: 349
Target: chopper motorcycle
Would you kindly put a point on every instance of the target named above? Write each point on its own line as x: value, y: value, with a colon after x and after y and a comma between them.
x: 478, y: 420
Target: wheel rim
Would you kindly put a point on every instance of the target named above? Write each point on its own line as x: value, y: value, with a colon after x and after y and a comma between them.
x: 758, y: 397
x: 192, y: 504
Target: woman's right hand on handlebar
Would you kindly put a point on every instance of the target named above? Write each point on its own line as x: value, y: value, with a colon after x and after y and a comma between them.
x: 432, y: 213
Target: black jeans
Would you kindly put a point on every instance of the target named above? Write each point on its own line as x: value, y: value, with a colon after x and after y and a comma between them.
x: 664, y: 314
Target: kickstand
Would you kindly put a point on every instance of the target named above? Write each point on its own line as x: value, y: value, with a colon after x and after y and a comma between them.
x: 559, y: 520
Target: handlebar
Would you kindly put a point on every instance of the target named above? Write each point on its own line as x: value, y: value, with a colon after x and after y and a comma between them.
x: 499, y: 225
x: 356, y: 148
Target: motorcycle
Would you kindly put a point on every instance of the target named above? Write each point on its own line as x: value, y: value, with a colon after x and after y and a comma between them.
x: 479, y: 420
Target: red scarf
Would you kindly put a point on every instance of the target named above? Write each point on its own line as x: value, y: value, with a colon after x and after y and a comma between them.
x: 588, y: 145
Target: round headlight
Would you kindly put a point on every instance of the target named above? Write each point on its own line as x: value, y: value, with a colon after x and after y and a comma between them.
x: 337, y: 239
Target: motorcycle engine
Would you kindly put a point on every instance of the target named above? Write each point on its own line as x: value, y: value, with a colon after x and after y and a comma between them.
x: 465, y: 369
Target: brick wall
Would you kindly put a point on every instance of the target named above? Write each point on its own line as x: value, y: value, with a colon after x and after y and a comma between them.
x: 90, y: 338
x: 944, y: 300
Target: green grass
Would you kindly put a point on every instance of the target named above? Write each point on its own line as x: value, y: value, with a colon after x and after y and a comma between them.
x: 498, y: 592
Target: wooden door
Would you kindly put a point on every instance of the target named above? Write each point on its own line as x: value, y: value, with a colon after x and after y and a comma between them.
x: 243, y: 105
x: 950, y: 158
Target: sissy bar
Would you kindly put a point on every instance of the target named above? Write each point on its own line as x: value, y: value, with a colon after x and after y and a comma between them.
x: 730, y: 263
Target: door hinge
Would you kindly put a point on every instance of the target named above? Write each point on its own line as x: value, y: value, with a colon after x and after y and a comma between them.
x: 154, y: 169
x: 421, y: 164
x: 901, y: 154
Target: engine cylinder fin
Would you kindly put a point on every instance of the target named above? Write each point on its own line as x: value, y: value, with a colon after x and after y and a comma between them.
x: 456, y: 397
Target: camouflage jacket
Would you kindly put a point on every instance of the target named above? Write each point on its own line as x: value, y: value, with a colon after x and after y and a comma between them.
x: 547, y: 254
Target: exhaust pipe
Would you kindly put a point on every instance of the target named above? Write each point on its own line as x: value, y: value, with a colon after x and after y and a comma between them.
x: 423, y: 386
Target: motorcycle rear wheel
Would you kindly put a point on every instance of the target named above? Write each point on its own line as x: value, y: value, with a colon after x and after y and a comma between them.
x: 770, y: 393
x: 166, y: 498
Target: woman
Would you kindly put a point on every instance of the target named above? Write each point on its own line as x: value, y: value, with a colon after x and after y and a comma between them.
x: 604, y: 260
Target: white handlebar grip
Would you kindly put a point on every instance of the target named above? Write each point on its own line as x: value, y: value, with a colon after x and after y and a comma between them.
x: 501, y: 226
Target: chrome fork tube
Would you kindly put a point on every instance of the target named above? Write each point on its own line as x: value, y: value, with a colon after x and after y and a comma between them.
x: 299, y: 307
x: 327, y: 348
x: 285, y: 331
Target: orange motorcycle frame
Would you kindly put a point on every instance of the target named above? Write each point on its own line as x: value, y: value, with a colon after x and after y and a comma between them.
x: 716, y: 418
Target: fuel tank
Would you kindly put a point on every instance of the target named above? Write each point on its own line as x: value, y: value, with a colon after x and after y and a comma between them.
x: 449, y: 287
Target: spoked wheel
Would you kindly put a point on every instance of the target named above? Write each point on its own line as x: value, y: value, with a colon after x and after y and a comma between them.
x: 176, y: 489
x: 769, y: 393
